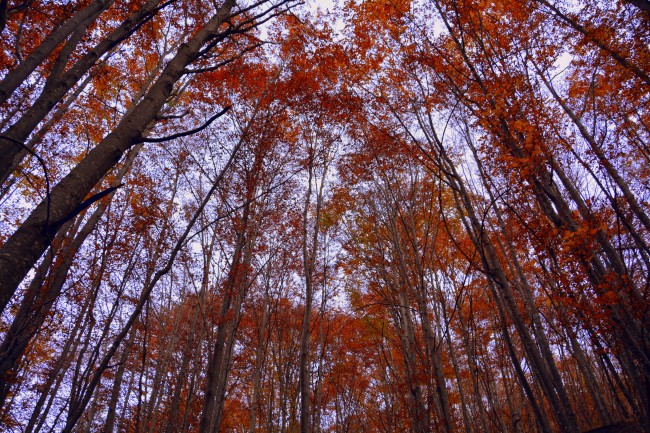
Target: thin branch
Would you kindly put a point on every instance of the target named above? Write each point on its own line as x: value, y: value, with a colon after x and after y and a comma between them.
x: 223, y: 63
x: 84, y: 205
x: 42, y: 162
x: 186, y: 133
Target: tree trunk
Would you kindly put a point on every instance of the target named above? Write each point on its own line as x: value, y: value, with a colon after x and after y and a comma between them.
x: 23, y: 249
x: 82, y: 17
x: 57, y: 86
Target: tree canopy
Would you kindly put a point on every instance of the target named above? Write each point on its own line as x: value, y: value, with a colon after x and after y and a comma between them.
x: 359, y: 216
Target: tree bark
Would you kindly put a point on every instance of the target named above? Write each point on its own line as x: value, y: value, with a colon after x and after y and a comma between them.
x: 18, y: 75
x: 57, y: 86
x: 23, y: 249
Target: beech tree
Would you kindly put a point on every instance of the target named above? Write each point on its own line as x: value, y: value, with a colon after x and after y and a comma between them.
x: 371, y: 216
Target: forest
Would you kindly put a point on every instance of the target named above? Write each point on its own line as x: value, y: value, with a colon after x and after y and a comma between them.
x: 347, y: 216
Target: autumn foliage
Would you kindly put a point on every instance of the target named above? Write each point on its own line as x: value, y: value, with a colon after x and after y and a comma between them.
x: 365, y: 216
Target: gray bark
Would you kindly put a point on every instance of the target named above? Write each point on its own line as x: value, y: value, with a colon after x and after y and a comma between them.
x: 42, y: 294
x: 18, y: 75
x: 59, y: 83
x: 23, y: 249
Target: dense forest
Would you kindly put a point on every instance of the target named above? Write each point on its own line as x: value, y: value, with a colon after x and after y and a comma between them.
x: 362, y: 216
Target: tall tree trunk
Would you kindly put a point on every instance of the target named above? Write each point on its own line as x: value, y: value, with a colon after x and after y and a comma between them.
x: 310, y: 243
x: 81, y: 18
x: 150, y: 283
x: 42, y: 293
x: 501, y: 287
x: 59, y: 83
x: 23, y: 249
x: 260, y: 357
x: 229, y: 313
x: 109, y: 423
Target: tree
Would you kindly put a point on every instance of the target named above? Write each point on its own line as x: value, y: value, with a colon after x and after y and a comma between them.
x: 388, y: 216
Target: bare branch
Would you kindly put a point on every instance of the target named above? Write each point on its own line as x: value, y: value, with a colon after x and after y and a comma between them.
x: 186, y: 133
x: 224, y: 62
